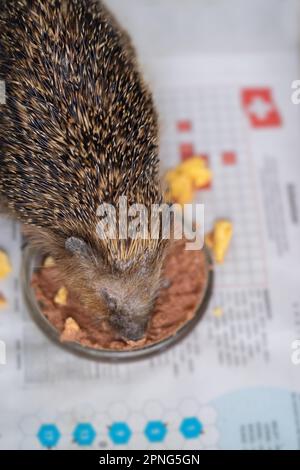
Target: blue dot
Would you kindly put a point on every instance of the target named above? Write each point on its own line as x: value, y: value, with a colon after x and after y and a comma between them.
x: 120, y: 433
x: 155, y: 431
x: 191, y: 427
x: 84, y: 434
x: 48, y: 435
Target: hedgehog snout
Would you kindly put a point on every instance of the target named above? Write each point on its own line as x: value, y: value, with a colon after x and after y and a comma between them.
x: 130, y: 299
x: 128, y: 317
x: 132, y: 329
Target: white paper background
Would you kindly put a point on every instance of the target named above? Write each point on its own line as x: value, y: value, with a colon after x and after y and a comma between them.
x: 233, y: 375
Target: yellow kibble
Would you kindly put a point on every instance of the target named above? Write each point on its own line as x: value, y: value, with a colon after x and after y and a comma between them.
x: 218, y: 240
x: 217, y: 312
x: 202, y: 178
x: 61, y: 296
x: 181, y: 189
x: 190, y: 175
x: 49, y: 262
x: 5, y: 266
x: 192, y: 165
x: 223, y: 231
x: 196, y: 169
x: 70, y: 331
x: 171, y: 175
x: 71, y: 326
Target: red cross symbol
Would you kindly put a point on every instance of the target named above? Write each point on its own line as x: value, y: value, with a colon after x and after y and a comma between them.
x: 259, y: 105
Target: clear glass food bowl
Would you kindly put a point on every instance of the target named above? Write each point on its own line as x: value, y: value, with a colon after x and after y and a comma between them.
x: 32, y: 261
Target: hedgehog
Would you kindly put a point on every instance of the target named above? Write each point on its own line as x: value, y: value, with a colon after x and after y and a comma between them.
x: 79, y: 127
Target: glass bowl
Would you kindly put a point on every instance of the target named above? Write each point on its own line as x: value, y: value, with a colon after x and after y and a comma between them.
x: 32, y: 261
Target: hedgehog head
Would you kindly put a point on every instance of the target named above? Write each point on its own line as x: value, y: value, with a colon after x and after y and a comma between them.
x: 121, y: 291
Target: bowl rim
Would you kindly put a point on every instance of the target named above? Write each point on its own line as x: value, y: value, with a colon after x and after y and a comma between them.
x: 110, y: 355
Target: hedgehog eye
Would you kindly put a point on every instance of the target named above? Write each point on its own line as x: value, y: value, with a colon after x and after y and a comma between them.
x: 77, y: 246
x: 110, y: 301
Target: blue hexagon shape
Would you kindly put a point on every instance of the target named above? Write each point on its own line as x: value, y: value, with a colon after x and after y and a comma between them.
x: 120, y: 433
x: 191, y: 427
x: 155, y: 431
x: 84, y: 434
x: 48, y: 435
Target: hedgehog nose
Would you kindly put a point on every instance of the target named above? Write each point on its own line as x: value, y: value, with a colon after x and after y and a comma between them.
x: 129, y: 330
x: 133, y: 334
x: 132, y: 331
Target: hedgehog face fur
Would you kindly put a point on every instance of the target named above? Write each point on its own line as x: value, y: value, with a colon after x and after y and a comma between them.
x: 120, y: 292
x: 79, y: 127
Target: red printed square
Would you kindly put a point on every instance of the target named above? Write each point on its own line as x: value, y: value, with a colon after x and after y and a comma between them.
x: 184, y: 125
x: 259, y: 106
x: 186, y: 150
x: 229, y: 158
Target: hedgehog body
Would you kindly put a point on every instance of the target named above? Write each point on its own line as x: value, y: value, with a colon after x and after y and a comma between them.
x: 79, y: 128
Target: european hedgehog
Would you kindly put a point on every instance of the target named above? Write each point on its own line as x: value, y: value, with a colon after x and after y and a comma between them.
x: 79, y: 127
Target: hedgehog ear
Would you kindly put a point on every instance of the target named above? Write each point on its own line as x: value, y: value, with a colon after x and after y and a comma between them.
x: 78, y: 247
